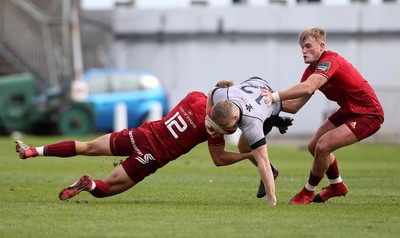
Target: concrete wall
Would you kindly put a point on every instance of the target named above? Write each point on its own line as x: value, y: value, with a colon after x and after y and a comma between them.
x: 192, y: 49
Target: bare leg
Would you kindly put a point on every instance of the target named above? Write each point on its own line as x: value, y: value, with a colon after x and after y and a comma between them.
x: 329, y: 142
x: 119, y: 181
x: 324, y: 128
x: 327, y: 139
x: 98, y: 146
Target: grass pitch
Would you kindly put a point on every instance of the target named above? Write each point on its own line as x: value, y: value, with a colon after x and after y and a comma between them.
x: 190, y: 197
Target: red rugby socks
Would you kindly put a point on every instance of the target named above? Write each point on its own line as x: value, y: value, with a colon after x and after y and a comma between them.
x: 61, y: 149
x: 101, y: 190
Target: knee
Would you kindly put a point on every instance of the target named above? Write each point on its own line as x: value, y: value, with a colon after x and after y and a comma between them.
x: 322, y: 148
x: 311, y: 147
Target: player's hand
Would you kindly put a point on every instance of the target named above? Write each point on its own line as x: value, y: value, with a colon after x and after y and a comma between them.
x: 283, y: 123
x: 211, y: 131
x: 283, y: 130
x: 271, y: 200
x: 268, y: 97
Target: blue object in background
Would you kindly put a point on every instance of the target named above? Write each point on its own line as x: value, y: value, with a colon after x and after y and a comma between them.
x: 139, y: 90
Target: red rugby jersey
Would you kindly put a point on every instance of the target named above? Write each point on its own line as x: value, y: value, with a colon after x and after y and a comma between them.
x: 181, y: 130
x: 345, y: 85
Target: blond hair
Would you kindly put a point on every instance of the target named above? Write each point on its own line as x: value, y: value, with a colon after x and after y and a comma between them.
x: 317, y: 33
x: 224, y: 84
x: 222, y: 112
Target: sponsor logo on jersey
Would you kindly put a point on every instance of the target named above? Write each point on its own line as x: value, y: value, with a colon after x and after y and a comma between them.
x: 146, y: 158
x: 324, y: 66
x: 134, y: 144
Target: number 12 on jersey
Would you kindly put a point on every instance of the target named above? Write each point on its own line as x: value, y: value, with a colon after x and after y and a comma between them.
x: 173, y: 124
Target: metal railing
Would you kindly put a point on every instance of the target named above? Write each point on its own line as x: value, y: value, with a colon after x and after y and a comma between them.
x: 38, y: 33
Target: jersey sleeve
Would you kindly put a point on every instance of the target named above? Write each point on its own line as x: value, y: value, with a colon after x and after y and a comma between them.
x: 216, y: 140
x: 327, y: 67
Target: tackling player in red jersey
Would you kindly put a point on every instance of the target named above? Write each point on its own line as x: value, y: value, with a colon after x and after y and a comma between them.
x: 148, y: 148
x: 360, y: 114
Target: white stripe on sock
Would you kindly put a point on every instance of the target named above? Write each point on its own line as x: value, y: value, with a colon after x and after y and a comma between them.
x: 336, y: 180
x: 40, y: 150
x: 93, y: 186
x: 309, y: 187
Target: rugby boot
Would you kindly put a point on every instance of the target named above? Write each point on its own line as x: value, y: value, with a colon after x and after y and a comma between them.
x: 83, y: 184
x: 25, y: 151
x: 304, y: 197
x: 333, y: 190
x: 261, y: 189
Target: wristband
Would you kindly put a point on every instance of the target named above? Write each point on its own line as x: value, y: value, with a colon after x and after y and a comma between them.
x: 275, y: 97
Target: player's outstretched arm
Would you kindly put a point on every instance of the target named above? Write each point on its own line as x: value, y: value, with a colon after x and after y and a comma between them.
x: 264, y: 168
x: 221, y: 157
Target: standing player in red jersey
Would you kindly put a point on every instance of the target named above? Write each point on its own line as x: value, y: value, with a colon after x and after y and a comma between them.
x: 360, y: 114
x: 148, y: 148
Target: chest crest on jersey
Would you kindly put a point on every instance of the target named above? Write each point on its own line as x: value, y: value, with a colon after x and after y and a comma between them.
x: 249, y: 107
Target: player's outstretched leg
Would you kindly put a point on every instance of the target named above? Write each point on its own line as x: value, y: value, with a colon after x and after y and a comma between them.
x: 83, y: 184
x: 333, y: 190
x: 261, y: 189
x: 25, y: 151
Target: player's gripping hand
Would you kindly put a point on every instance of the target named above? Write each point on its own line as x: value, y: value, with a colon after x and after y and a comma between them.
x: 283, y: 123
x: 211, y: 131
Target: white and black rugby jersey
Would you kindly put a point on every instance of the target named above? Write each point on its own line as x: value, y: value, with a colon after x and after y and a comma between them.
x: 254, y: 112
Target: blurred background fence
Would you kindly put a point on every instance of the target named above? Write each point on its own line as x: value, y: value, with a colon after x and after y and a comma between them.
x: 40, y: 57
x: 37, y: 33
